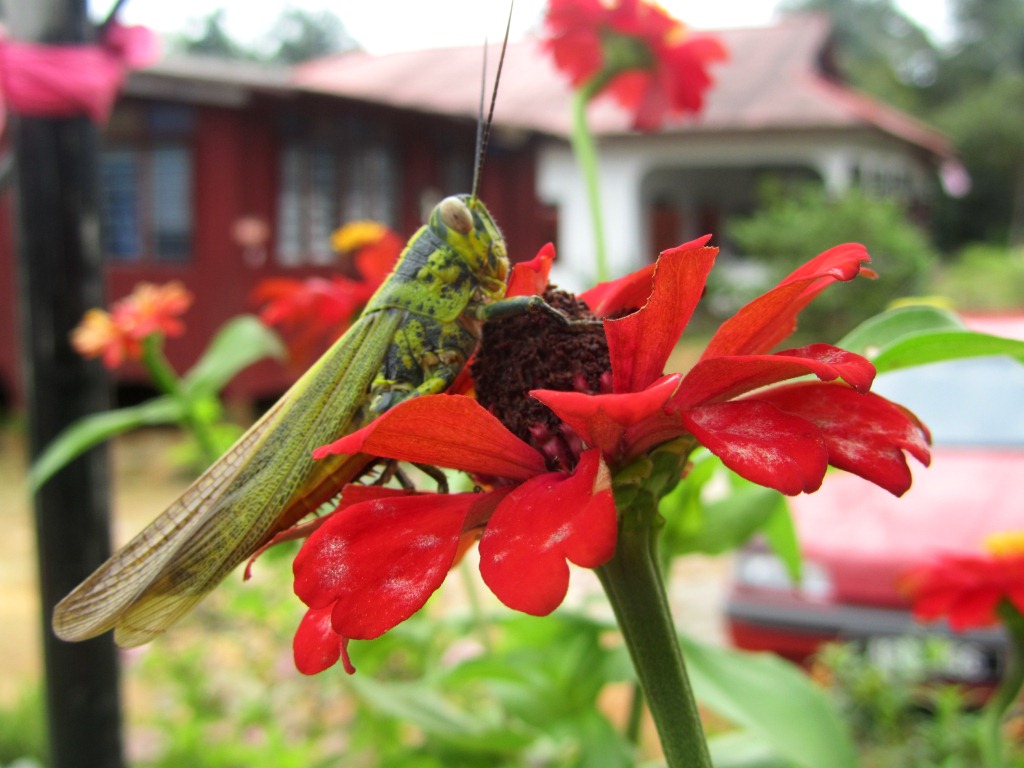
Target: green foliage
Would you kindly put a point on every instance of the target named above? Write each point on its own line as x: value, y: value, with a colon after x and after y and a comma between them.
x: 878, y: 49
x: 919, y: 335
x: 296, y: 35
x: 23, y: 728
x: 987, y: 137
x: 900, y: 716
x: 715, y: 510
x: 983, y: 278
x: 772, y: 699
x: 193, y: 403
x: 794, y: 225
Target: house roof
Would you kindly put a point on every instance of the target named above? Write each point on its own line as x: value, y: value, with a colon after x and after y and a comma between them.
x: 208, y: 79
x: 772, y: 80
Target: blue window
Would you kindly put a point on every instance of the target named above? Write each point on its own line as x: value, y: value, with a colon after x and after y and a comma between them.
x: 146, y: 187
x: 328, y: 181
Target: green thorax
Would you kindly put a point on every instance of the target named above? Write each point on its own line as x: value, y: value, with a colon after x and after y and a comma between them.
x: 456, y: 259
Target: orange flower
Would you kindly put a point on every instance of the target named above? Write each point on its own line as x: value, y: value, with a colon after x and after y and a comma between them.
x: 969, y: 589
x: 153, y: 309
x: 116, y: 336
x: 99, y: 336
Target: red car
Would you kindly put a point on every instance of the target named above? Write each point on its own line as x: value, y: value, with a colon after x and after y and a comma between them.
x: 858, y: 540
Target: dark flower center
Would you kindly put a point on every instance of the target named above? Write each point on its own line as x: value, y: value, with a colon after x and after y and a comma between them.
x: 536, y: 351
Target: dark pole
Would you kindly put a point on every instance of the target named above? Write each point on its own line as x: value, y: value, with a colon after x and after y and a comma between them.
x: 60, y: 276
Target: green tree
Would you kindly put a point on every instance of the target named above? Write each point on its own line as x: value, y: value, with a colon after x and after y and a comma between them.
x: 793, y: 225
x: 877, y: 48
x: 985, y: 123
x: 211, y: 39
x: 980, y: 94
x: 294, y: 36
x: 299, y: 35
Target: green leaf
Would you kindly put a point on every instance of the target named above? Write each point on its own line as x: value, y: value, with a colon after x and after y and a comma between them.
x: 772, y: 698
x: 707, y: 518
x: 909, y: 336
x: 743, y: 749
x: 939, y: 346
x: 420, y: 705
x: 239, y: 343
x: 878, y: 332
x: 780, y: 532
x: 92, y: 430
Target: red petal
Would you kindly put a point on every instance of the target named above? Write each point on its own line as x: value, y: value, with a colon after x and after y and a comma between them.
x: 603, y: 421
x: 316, y: 645
x: 722, y: 378
x: 761, y: 443
x: 865, y: 433
x: 629, y: 293
x: 451, y: 431
x: 639, y: 344
x: 379, y: 561
x: 541, y: 524
x: 770, y: 318
x: 967, y: 588
x: 530, y: 278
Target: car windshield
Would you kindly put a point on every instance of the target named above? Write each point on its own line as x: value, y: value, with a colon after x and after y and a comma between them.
x: 977, y: 401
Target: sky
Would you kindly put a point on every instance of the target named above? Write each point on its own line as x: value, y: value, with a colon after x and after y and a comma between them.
x: 383, y: 26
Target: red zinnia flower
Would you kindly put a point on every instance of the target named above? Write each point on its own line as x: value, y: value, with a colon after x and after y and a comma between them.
x: 376, y: 561
x: 313, y: 313
x: 780, y: 437
x: 969, y: 588
x: 654, y: 66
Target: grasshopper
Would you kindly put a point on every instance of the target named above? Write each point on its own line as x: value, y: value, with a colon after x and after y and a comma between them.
x: 413, y: 338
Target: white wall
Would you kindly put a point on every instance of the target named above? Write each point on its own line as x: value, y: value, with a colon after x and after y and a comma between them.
x: 626, y: 162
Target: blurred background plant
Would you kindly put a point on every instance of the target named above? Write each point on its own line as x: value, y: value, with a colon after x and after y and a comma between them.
x: 792, y: 222
x: 901, y: 715
x: 134, y: 330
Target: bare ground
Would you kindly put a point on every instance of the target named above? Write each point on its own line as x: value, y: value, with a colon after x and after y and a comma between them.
x: 144, y: 483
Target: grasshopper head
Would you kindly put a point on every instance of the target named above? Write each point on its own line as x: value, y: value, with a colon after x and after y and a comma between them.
x: 467, y: 226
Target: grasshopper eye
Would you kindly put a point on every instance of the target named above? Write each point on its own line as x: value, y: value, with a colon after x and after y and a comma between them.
x: 455, y: 215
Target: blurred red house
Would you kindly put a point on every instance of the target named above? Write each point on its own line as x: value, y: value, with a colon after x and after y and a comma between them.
x: 197, y: 147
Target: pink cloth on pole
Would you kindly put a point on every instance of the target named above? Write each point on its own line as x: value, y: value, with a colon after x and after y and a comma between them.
x: 67, y: 80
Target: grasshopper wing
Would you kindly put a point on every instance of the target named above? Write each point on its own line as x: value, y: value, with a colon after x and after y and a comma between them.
x: 266, y: 482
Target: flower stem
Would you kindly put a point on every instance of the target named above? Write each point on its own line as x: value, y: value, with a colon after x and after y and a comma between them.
x: 1007, y: 692
x: 166, y: 380
x: 585, y: 149
x: 633, y: 582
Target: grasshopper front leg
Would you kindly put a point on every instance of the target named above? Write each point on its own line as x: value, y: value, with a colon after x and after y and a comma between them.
x: 518, y: 305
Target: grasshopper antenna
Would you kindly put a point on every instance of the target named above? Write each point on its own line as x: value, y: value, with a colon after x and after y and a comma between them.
x: 483, y: 127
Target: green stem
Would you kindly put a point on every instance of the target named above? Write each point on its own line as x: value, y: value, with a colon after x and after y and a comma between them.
x: 585, y: 150
x: 1007, y: 692
x: 166, y: 380
x: 633, y: 582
